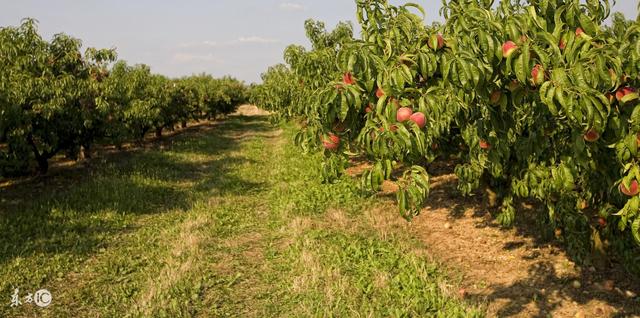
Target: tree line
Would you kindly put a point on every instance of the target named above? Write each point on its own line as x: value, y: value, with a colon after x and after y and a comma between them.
x: 56, y: 100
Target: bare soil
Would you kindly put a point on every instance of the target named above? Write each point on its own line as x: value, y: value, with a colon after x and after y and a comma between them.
x: 516, y: 272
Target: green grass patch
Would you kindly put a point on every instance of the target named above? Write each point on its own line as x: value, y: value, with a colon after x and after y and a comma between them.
x: 229, y: 221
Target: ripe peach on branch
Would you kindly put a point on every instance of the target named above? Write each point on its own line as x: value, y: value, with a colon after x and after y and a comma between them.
x: 508, y: 48
x: 331, y: 142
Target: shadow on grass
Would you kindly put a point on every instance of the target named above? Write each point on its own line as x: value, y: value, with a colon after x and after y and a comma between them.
x: 77, y: 210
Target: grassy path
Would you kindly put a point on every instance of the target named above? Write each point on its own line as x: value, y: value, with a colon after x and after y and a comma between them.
x: 226, y: 221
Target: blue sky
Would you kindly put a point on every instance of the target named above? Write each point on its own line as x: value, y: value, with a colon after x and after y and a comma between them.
x: 222, y: 37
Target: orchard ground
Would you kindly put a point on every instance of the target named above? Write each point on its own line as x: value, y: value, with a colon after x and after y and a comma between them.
x: 229, y: 219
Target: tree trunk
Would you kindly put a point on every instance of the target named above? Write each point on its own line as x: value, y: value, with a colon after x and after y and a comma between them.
x: 184, y: 124
x: 492, y: 197
x: 85, y: 151
x: 81, y: 154
x: 159, y: 132
x: 142, y: 134
x: 43, y: 164
x: 42, y: 159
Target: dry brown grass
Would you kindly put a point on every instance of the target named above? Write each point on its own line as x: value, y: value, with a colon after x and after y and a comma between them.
x: 185, y: 252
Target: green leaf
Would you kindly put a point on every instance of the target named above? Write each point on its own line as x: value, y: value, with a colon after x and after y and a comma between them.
x: 635, y: 229
x: 344, y: 107
x: 587, y: 25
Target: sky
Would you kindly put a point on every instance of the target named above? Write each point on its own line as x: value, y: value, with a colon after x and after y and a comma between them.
x: 241, y: 38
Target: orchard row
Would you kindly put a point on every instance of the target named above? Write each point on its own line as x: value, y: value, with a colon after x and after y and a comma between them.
x: 53, y: 99
x: 534, y: 100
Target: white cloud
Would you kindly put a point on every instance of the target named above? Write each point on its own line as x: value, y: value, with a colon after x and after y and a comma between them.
x: 189, y: 58
x: 291, y: 6
x: 240, y: 40
x: 255, y: 39
x: 199, y: 44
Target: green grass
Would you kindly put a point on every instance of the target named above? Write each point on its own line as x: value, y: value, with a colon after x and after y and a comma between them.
x: 231, y: 221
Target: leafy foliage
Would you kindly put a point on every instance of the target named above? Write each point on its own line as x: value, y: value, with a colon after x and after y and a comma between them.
x: 537, y: 98
x: 54, y: 99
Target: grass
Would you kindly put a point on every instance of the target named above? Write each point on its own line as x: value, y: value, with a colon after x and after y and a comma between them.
x: 227, y: 221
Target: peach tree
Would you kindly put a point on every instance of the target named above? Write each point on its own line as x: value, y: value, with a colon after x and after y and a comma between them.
x: 56, y: 100
x: 50, y: 96
x: 534, y: 100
